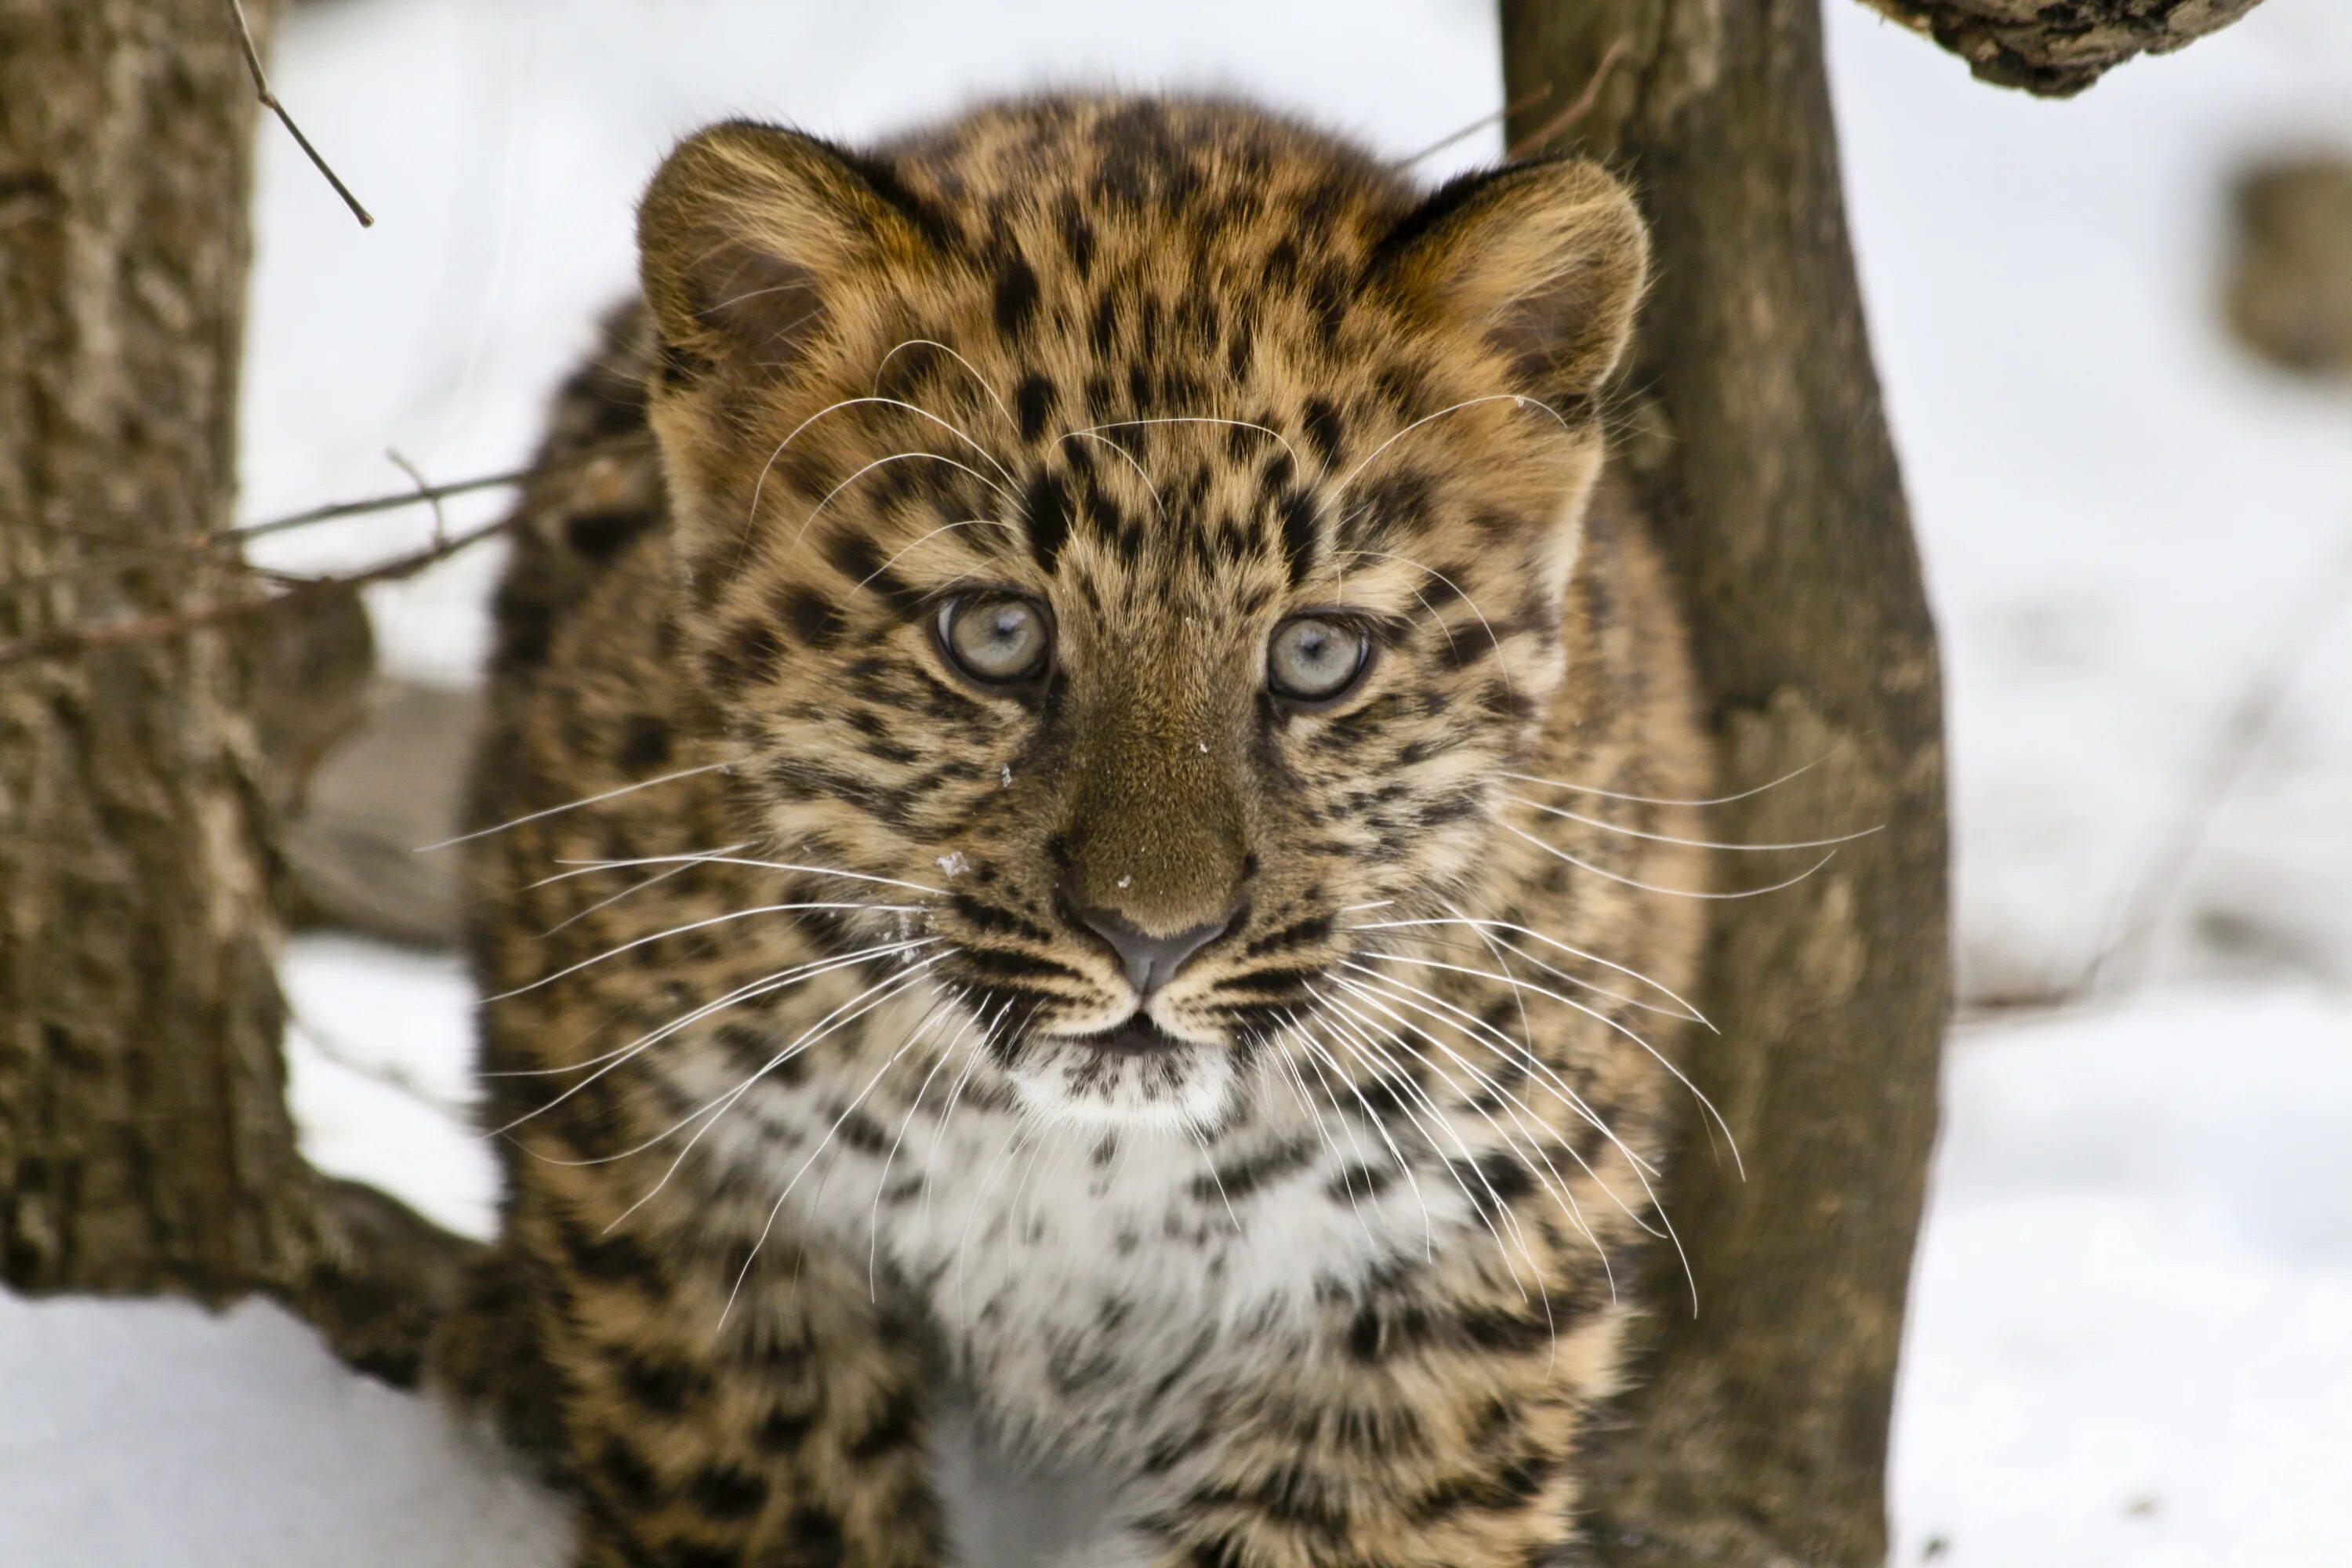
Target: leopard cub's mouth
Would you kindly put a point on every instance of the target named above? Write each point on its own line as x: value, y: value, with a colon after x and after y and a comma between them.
x: 1138, y: 1036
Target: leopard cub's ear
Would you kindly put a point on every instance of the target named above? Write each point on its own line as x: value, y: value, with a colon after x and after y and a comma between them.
x: 752, y: 237
x: 1549, y: 259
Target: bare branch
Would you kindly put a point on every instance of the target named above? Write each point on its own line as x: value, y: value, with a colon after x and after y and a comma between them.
x: 1534, y: 141
x: 2057, y: 51
x: 1483, y: 121
x: 270, y: 101
x: 427, y: 495
x: 72, y: 640
x: 424, y: 492
x: 2125, y: 959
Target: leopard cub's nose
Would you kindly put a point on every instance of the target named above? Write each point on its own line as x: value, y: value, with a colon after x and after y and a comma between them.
x: 1150, y: 962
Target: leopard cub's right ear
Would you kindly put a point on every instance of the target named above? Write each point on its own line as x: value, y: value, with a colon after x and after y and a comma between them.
x: 751, y: 238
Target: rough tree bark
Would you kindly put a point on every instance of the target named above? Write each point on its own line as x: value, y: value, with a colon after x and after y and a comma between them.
x: 1756, y: 445
x: 2056, y: 49
x: 145, y: 1140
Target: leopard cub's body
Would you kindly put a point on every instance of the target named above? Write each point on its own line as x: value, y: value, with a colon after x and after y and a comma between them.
x: 1076, y: 795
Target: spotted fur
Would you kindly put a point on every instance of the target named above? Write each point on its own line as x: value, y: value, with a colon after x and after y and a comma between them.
x: 783, y: 920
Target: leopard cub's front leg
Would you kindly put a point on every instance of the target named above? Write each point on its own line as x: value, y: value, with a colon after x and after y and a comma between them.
x: 791, y: 1434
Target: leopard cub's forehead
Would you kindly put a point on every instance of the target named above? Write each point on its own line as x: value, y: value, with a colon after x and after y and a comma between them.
x: 1149, y: 258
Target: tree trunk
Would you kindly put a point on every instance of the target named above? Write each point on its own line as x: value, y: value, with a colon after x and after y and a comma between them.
x: 144, y: 1143
x: 1756, y: 447
x: 145, y: 1140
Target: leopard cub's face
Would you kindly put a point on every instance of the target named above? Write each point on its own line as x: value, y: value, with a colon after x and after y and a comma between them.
x: 1137, y: 548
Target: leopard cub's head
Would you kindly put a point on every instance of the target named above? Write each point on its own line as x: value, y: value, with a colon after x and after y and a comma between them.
x: 1141, y: 526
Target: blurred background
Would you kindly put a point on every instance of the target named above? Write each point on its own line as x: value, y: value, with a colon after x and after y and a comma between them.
x: 2116, y: 335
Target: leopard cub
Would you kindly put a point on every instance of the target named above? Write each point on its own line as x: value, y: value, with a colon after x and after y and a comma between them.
x: 1072, y: 823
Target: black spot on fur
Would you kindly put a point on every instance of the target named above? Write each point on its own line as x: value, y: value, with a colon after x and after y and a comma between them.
x: 1299, y: 535
x: 625, y: 1473
x: 608, y: 1256
x: 815, y: 1539
x: 1033, y: 403
x: 1048, y: 514
x: 659, y: 1382
x: 725, y: 1492
x: 896, y: 1425
x: 814, y: 620
x: 644, y: 744
x: 1016, y: 297
x: 1323, y: 429
x: 749, y: 653
x: 600, y: 535
x: 782, y: 1430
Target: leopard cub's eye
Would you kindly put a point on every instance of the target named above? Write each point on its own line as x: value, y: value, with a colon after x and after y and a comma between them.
x: 1000, y: 640
x: 1313, y: 658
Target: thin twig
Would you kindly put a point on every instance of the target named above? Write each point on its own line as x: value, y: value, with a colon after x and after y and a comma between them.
x: 84, y: 640
x: 1574, y: 111
x: 392, y: 1076
x: 1483, y: 121
x: 431, y: 495
x: 440, y: 518
x: 270, y: 101
x: 2242, y: 733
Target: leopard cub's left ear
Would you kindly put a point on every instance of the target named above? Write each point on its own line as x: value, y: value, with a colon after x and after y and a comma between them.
x: 1549, y: 258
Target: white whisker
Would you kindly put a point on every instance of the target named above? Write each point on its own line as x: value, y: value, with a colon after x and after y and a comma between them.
x: 571, y: 805
x: 781, y: 981
x: 727, y: 857
x: 1455, y: 409
x: 1663, y: 800
x: 1152, y: 489
x: 1428, y: 1226
x: 1518, y: 985
x: 1354, y: 1147
x: 611, y: 898
x: 955, y: 1094
x: 1688, y: 843
x: 874, y: 1215
x: 979, y: 379
x: 822, y: 1144
x: 1642, y: 1169
x: 611, y: 952
x: 956, y: 430
x: 718, y: 1105
x: 1492, y: 637
x: 1198, y: 420
x: 926, y: 539
x: 1690, y: 1012
x: 1005, y: 495
x: 1654, y: 887
x: 1470, y: 1160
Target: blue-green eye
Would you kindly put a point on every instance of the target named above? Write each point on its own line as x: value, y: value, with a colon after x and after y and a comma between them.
x: 999, y: 639
x: 1315, y: 659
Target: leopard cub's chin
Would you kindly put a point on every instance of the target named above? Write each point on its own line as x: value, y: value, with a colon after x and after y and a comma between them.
x: 1131, y: 1076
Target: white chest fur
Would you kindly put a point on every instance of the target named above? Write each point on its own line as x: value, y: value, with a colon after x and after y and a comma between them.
x: 1080, y: 1281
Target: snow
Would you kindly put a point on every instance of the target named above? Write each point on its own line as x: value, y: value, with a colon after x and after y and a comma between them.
x: 147, y: 1435
x: 2128, y: 1344
x: 379, y: 1061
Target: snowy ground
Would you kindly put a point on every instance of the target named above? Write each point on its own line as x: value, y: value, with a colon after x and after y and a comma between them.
x: 2132, y: 1338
